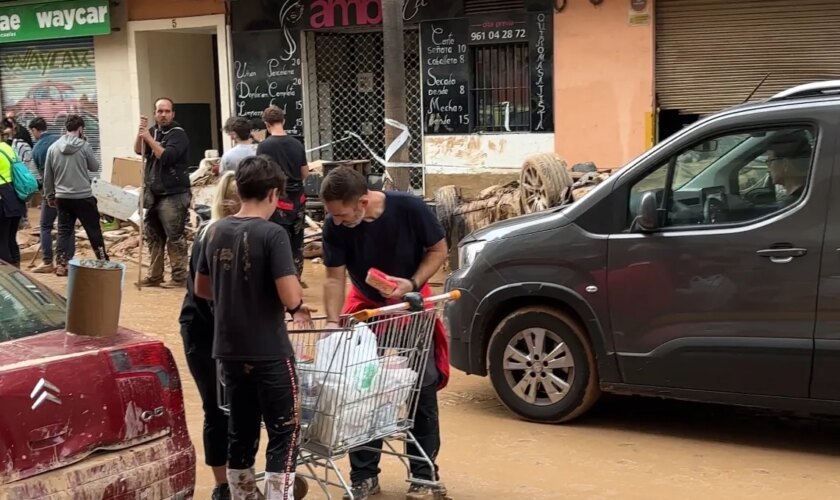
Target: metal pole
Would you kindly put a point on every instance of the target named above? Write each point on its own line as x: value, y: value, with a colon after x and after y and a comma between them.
x: 394, y: 53
x: 142, y: 215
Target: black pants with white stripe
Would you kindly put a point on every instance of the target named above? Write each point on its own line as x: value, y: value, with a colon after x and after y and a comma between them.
x: 267, y: 391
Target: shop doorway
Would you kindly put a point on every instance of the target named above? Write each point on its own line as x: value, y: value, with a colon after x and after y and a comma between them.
x: 183, y: 64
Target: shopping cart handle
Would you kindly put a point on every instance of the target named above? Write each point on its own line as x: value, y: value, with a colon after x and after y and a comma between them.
x: 407, y: 305
x: 414, y: 301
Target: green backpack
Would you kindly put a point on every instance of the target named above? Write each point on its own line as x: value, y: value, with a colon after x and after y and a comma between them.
x: 23, y: 181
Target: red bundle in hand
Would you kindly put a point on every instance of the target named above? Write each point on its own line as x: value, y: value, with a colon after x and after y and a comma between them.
x: 379, y: 280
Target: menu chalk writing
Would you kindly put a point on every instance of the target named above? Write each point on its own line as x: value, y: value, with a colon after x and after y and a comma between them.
x: 267, y: 71
x: 541, y: 54
x: 445, y: 63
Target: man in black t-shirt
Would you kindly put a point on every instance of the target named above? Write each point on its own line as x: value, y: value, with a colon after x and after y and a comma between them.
x: 247, y: 270
x: 399, y: 235
x: 288, y: 152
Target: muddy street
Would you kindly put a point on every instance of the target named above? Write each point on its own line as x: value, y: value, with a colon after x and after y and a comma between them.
x: 627, y: 448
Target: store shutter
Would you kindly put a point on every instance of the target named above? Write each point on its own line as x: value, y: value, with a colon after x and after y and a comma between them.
x: 51, y: 80
x: 711, y: 54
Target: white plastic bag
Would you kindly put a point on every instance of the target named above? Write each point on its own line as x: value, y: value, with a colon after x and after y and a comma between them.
x: 348, y: 365
x: 348, y: 355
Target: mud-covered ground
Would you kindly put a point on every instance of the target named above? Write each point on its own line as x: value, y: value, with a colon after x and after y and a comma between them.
x: 628, y: 448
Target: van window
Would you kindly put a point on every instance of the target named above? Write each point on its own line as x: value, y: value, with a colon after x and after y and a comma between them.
x: 732, y: 178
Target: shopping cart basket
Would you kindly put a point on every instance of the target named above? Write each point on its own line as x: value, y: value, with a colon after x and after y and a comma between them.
x: 360, y: 384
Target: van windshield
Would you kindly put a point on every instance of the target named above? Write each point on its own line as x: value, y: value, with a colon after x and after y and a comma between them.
x: 693, y: 162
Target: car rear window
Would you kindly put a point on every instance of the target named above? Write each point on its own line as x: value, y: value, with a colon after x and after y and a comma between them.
x: 27, y: 308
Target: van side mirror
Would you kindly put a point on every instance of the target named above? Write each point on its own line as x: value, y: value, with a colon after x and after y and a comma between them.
x: 648, y: 219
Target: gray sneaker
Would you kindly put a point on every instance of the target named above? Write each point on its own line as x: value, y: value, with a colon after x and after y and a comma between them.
x: 421, y: 492
x: 364, y: 489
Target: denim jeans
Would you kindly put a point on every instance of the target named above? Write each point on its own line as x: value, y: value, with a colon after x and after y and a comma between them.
x: 267, y: 391
x: 48, y: 217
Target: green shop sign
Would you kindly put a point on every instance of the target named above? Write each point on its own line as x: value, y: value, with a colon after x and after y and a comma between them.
x: 47, y: 21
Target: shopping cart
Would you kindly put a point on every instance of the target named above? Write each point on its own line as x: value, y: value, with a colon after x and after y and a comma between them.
x: 360, y: 384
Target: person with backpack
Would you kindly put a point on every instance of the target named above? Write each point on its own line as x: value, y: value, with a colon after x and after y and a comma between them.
x: 67, y: 186
x: 11, y: 207
x: 23, y: 151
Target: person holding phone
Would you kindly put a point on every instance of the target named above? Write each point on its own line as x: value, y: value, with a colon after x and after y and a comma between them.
x: 67, y: 187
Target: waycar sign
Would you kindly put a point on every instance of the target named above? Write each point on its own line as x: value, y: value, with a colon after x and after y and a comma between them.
x: 22, y: 23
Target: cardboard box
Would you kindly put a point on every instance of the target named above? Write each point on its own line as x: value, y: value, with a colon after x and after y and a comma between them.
x: 127, y: 172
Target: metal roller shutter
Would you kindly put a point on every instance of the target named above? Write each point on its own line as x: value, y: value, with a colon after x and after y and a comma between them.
x: 710, y: 54
x: 51, y: 80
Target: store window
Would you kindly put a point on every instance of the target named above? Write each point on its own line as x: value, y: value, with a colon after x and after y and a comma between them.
x: 501, y: 91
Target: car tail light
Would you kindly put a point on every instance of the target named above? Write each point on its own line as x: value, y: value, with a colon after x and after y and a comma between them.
x: 152, y: 358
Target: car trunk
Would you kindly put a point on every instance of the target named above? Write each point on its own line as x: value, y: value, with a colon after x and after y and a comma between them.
x: 65, y: 396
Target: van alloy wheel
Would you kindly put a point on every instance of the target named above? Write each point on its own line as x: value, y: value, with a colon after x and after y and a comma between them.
x: 539, y: 367
x: 542, y: 365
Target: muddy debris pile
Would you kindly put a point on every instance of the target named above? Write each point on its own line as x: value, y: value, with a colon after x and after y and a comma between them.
x: 545, y: 182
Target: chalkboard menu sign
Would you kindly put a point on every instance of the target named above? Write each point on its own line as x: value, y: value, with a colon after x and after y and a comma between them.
x: 499, y: 28
x: 540, y: 30
x: 267, y: 70
x: 446, y: 66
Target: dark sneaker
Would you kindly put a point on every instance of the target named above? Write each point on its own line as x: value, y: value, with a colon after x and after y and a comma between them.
x: 61, y: 271
x: 364, y: 489
x: 221, y: 492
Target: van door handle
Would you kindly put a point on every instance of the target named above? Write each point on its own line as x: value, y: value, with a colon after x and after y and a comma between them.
x: 782, y: 255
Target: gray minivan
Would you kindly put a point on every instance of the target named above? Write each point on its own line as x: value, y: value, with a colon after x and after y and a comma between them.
x: 707, y: 269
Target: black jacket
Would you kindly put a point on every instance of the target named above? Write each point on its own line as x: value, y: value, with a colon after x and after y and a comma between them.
x: 168, y: 174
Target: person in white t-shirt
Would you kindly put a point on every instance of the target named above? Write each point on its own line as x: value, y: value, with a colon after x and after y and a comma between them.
x: 239, y: 130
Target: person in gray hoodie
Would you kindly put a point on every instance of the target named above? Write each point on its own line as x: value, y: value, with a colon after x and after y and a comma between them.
x: 67, y: 186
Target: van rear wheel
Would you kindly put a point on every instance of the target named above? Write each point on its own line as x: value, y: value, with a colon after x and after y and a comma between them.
x: 542, y: 366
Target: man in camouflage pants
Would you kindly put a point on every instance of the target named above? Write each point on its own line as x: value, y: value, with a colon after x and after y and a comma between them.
x: 166, y: 192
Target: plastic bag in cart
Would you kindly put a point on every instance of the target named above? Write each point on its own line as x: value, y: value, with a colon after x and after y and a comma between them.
x: 348, y: 355
x: 346, y: 366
